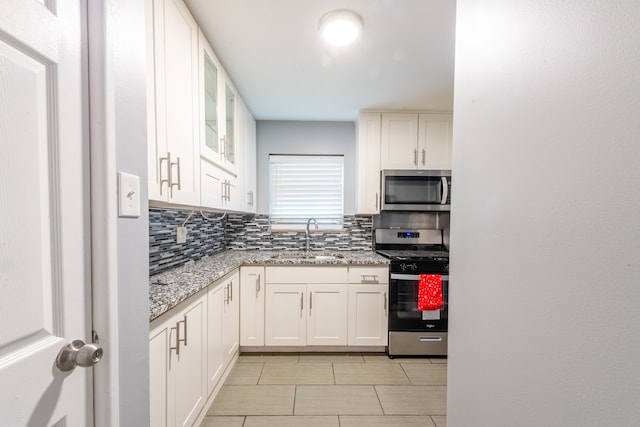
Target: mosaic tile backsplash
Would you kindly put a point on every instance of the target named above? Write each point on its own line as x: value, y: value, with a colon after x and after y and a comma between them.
x: 239, y: 232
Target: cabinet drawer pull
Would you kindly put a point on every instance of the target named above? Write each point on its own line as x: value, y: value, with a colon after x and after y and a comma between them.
x: 230, y: 291
x: 310, y: 302
x: 371, y: 278
x: 173, y: 184
x: 415, y: 157
x: 168, y: 179
x: 424, y: 157
x: 257, y: 284
x: 301, y: 303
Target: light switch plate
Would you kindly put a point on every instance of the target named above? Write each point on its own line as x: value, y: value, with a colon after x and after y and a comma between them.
x: 128, y: 195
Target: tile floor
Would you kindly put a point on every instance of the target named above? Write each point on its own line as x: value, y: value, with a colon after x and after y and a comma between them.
x: 333, y: 390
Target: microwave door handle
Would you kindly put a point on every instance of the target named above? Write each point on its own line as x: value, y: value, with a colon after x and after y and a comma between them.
x: 445, y: 190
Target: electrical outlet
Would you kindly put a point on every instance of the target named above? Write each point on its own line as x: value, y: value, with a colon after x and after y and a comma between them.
x: 181, y: 235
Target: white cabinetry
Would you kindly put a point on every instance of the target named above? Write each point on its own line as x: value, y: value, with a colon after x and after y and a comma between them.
x: 252, y: 291
x: 217, y: 111
x: 247, y: 171
x: 177, y: 360
x: 222, y: 326
x: 306, y: 306
x: 368, y: 306
x: 173, y: 155
x: 415, y: 141
x: 368, y: 148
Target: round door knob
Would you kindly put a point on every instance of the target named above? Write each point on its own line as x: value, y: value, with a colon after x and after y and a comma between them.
x: 77, y: 353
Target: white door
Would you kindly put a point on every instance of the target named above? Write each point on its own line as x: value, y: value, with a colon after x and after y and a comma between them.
x: 44, y: 227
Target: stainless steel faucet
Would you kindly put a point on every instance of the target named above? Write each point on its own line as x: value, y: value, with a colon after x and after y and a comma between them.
x: 307, y: 237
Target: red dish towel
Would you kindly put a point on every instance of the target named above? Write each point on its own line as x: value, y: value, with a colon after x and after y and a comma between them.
x: 429, y: 292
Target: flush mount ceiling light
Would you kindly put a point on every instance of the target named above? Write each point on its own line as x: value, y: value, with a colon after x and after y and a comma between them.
x: 340, y: 27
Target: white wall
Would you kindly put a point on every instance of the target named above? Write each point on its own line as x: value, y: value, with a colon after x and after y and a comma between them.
x: 545, y: 237
x: 120, y: 246
x: 292, y: 137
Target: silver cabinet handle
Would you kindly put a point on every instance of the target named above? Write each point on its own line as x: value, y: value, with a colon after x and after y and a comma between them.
x: 223, y: 148
x: 168, y: 180
x: 424, y: 156
x: 173, y: 184
x: 257, y: 284
x: 230, y: 291
x: 385, y: 305
x: 371, y: 278
x: 183, y: 340
x: 310, y: 302
x: 77, y: 353
x: 415, y: 157
x: 301, y: 302
x: 377, y: 200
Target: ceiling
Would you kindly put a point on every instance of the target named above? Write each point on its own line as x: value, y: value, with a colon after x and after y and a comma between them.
x: 283, y: 71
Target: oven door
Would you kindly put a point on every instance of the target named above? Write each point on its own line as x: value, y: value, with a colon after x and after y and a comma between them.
x: 403, y: 305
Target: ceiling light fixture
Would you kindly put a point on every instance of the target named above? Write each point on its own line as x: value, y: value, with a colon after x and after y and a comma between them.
x: 340, y: 27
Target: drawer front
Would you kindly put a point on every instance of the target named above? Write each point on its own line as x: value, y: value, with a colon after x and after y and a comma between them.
x: 373, y: 275
x: 306, y: 274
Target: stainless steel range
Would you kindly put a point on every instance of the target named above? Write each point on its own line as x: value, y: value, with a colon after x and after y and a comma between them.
x: 414, y: 252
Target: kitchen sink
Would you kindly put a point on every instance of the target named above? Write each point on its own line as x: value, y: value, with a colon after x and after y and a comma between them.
x: 307, y: 255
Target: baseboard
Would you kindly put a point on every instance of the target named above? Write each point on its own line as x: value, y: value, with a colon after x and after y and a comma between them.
x: 313, y: 349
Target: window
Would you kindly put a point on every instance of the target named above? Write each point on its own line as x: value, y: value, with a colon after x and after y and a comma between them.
x: 302, y: 187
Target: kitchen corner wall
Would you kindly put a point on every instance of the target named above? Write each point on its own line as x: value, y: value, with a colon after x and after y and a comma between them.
x: 239, y: 232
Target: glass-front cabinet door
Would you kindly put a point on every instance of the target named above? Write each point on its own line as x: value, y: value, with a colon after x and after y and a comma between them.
x: 211, y: 139
x: 230, y: 137
x: 218, y: 112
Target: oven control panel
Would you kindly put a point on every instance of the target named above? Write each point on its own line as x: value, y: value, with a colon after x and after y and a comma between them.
x: 408, y: 235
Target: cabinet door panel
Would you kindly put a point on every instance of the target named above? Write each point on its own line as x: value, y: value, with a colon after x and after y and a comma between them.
x: 327, y: 318
x: 435, y: 141
x: 158, y: 367
x: 399, y: 141
x: 252, y: 306
x: 285, y: 322
x: 188, y: 367
x: 215, y: 356
x: 368, y: 187
x: 368, y: 314
x: 231, y: 320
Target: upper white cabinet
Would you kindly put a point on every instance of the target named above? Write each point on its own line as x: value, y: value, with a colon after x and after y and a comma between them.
x: 173, y: 154
x: 246, y: 125
x: 368, y: 149
x: 217, y: 112
x: 415, y: 141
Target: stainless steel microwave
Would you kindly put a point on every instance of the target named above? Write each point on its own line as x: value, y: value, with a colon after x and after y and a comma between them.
x: 416, y: 190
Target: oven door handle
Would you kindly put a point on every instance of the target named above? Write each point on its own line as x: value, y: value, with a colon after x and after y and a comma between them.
x: 397, y: 276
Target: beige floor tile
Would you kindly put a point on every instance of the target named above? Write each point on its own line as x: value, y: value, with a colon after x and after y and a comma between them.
x: 297, y: 373
x: 433, y: 374
x: 222, y: 422
x: 413, y: 400
x: 331, y: 357
x: 268, y: 357
x: 369, y: 373
x: 440, y: 420
x: 383, y: 358
x: 293, y: 421
x: 244, y: 374
x: 385, y: 420
x: 336, y: 399
x: 254, y: 400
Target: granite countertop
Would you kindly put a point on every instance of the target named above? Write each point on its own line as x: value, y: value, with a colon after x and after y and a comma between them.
x: 168, y: 289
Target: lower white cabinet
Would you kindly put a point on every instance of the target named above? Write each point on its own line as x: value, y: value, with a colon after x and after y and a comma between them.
x: 222, y: 326
x: 368, y: 306
x: 368, y: 314
x: 190, y: 347
x: 318, y: 306
x: 252, y: 291
x: 177, y: 365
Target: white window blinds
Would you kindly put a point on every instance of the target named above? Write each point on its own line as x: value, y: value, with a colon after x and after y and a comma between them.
x: 306, y: 186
